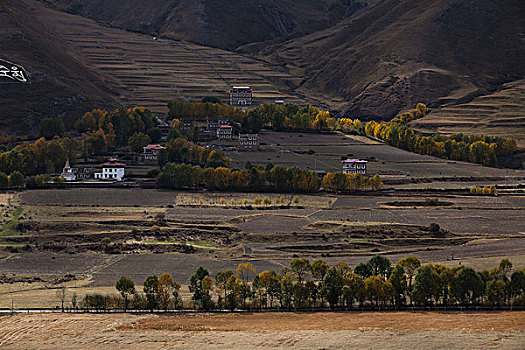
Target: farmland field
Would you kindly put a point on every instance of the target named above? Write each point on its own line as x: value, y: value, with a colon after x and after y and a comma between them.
x: 395, y: 330
x: 88, y: 238
x: 324, y: 152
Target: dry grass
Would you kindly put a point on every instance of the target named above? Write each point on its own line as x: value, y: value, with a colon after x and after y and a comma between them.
x: 399, y: 330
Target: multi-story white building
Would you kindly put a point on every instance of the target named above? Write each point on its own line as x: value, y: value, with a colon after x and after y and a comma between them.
x: 112, y: 170
x: 248, y: 142
x: 225, y: 132
x: 241, y: 96
x: 354, y: 166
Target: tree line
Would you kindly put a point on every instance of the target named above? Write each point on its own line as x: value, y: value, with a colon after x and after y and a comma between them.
x: 479, y: 149
x: 271, y: 178
x: 39, y: 157
x: 304, y: 284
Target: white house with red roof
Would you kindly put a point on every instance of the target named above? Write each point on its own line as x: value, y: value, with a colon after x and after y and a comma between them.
x: 225, y: 132
x: 354, y: 166
x: 112, y: 170
x: 151, y: 152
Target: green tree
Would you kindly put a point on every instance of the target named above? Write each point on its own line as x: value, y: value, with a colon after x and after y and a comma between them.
x: 221, y: 279
x: 319, y: 269
x: 410, y: 264
x: 151, y: 289
x: 201, y: 295
x: 138, y: 141
x: 398, y: 279
x: 468, y: 285
x: 380, y: 266
x: 426, y: 285
x: 16, y: 179
x: 126, y: 288
x: 363, y: 269
x: 332, y: 286
x: 495, y: 291
x: 4, y: 180
x: 300, y: 267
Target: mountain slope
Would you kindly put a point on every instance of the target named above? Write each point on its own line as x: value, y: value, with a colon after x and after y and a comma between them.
x: 60, y: 82
x: 218, y: 23
x: 397, y: 53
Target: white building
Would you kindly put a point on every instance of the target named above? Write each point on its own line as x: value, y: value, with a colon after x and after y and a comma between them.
x: 112, y: 170
x: 240, y: 96
x: 225, y: 132
x: 354, y: 166
x: 248, y: 142
x: 67, y: 172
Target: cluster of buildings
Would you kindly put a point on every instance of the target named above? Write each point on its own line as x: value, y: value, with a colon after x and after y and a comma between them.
x: 112, y: 170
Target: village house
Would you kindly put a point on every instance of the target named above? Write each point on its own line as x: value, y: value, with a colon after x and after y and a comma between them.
x: 225, y: 132
x: 354, y: 166
x: 240, y: 96
x: 151, y: 152
x: 248, y: 142
x: 112, y: 170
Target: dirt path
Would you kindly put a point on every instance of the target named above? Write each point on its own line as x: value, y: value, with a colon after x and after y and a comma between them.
x: 399, y: 330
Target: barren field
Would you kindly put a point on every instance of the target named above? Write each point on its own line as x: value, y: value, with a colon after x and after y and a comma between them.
x: 396, y: 330
x: 89, y: 238
x: 324, y: 152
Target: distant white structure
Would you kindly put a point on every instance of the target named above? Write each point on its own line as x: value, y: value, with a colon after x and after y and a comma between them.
x: 67, y: 172
x: 279, y: 102
x: 241, y: 96
x: 354, y: 166
x: 112, y: 170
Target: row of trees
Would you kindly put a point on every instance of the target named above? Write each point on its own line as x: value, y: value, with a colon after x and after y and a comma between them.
x: 302, y: 284
x: 40, y: 156
x: 280, y: 179
x: 278, y: 117
x: 182, y: 150
x: 340, y: 182
x: 13, y: 180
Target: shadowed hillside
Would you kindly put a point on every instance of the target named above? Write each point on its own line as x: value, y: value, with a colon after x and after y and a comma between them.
x: 219, y: 23
x: 60, y: 82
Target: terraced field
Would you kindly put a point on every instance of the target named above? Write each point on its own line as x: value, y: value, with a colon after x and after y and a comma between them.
x: 151, y: 71
x: 501, y: 113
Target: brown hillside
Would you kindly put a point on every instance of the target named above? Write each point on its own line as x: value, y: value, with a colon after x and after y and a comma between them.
x: 225, y: 24
x: 398, y: 53
x: 60, y: 82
